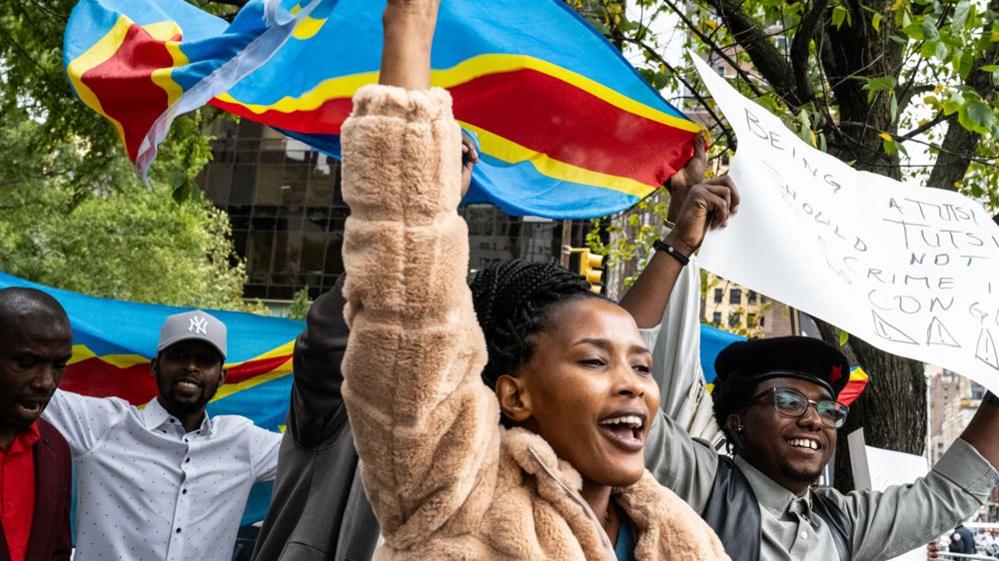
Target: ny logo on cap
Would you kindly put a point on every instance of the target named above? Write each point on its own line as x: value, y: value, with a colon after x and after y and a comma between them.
x: 198, y: 325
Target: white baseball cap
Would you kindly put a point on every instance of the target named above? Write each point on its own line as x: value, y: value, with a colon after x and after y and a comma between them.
x: 197, y: 325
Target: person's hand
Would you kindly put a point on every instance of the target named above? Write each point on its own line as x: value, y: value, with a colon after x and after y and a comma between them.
x: 707, y: 205
x: 932, y: 551
x: 469, y: 157
x: 408, y: 36
x: 682, y: 181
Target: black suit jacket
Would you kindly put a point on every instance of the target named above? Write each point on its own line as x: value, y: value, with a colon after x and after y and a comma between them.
x: 50, y: 538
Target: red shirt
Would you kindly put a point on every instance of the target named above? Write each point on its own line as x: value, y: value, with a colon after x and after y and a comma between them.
x: 17, y: 491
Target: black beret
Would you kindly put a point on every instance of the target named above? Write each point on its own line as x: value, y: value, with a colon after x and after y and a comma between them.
x: 806, y: 358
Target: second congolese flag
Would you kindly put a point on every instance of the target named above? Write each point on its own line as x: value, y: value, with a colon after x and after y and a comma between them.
x: 566, y: 127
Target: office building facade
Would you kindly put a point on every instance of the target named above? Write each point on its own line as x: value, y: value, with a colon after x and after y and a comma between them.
x: 288, y: 214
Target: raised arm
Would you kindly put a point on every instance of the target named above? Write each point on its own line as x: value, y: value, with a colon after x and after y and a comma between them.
x: 906, y: 516
x: 903, y: 517
x: 317, y: 413
x: 982, y: 432
x: 425, y: 426
x: 695, y: 206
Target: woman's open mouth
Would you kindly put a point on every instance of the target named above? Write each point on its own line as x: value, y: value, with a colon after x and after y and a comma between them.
x: 627, y: 432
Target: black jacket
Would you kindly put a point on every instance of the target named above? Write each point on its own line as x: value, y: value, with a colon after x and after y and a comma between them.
x: 733, y: 513
x: 319, y: 511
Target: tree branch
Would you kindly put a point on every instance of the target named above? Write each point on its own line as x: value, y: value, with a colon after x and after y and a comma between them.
x: 767, y: 59
x: 715, y: 48
x: 908, y: 92
x: 800, y: 47
x: 924, y: 127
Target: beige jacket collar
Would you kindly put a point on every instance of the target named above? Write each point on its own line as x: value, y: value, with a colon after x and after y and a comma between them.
x: 663, y: 521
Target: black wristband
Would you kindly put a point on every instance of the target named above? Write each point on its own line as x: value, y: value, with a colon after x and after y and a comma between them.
x: 991, y: 399
x: 672, y: 251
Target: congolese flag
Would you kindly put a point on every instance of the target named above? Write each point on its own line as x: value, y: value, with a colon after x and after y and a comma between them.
x: 566, y: 127
x: 113, y: 342
x: 140, y: 63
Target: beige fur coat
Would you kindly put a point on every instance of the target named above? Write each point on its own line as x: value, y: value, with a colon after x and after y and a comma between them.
x: 446, y: 481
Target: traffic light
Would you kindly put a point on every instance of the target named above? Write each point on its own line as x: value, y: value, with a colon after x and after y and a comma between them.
x: 590, y: 267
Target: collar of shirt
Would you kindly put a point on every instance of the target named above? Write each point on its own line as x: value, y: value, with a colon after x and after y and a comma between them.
x: 25, y: 440
x: 772, y: 496
x: 155, y: 416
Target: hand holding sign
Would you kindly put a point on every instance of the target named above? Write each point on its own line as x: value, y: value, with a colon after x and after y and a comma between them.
x: 692, y: 173
x: 707, y: 206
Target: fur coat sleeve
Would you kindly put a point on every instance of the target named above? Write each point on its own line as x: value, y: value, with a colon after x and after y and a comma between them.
x: 425, y: 425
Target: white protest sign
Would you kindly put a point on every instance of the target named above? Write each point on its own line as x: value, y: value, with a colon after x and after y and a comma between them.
x: 912, y: 271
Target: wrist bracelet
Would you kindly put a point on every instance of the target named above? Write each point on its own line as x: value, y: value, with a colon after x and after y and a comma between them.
x: 672, y: 251
x: 669, y: 223
x: 991, y: 399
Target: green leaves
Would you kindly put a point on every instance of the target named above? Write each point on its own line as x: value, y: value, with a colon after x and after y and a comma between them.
x: 961, y: 16
x: 878, y: 84
x: 103, y: 233
x: 976, y: 116
x: 953, y: 103
x: 841, y: 14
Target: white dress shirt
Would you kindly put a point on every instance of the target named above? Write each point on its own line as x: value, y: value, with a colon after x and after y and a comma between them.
x: 150, y: 491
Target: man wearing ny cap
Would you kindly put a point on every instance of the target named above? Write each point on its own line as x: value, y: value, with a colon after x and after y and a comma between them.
x: 776, y: 402
x: 165, y: 481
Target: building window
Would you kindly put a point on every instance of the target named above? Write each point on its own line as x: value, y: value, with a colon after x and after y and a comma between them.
x: 750, y: 320
x: 751, y: 296
x: 719, y: 293
x: 735, y: 296
x: 287, y: 214
x: 716, y: 318
x: 733, y: 319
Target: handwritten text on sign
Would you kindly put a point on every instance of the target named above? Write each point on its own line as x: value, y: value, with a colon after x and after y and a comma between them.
x: 913, y: 271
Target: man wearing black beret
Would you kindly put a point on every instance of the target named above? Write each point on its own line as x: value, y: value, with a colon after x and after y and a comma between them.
x: 776, y: 402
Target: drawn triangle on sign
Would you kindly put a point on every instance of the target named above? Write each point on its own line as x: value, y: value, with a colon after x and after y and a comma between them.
x: 888, y: 331
x: 937, y: 334
x: 986, y: 350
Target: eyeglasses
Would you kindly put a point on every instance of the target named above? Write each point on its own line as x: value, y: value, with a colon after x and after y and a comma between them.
x: 792, y: 403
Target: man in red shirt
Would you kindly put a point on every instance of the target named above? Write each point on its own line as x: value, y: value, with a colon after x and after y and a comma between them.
x: 35, y: 345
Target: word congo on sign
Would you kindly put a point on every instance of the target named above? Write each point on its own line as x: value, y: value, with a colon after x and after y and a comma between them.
x: 913, y: 271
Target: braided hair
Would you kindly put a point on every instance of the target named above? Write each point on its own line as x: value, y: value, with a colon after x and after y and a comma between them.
x: 512, y: 301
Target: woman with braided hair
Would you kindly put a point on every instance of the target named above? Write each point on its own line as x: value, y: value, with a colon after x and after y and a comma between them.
x: 543, y: 461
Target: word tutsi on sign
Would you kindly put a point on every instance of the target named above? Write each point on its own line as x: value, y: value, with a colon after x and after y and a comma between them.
x: 913, y: 271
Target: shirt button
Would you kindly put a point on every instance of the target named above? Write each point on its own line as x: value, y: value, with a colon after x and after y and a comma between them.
x: 171, y: 420
x: 187, y: 460
x: 183, y: 491
x: 804, y: 535
x: 178, y: 530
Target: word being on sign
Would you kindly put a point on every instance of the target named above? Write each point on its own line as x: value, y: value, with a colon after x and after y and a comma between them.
x: 910, y: 270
